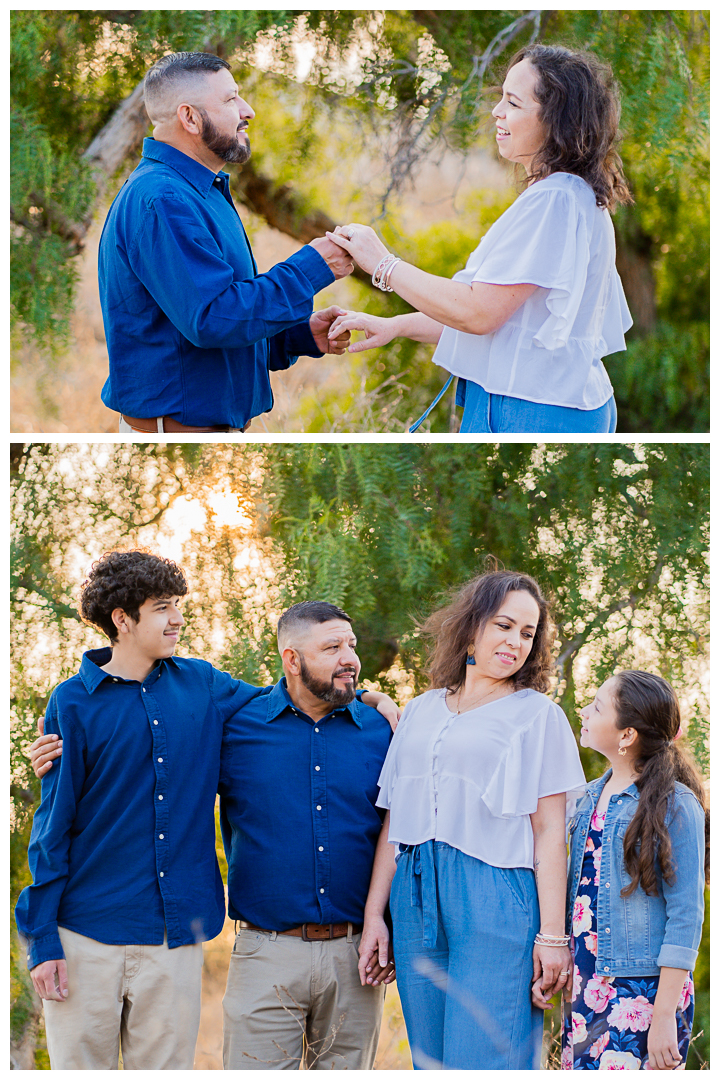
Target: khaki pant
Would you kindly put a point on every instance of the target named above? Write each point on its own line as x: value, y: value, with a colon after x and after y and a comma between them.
x: 292, y: 1003
x: 142, y: 999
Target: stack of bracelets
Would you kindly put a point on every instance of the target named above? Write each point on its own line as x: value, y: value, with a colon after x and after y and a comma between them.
x: 383, y: 270
x: 554, y: 942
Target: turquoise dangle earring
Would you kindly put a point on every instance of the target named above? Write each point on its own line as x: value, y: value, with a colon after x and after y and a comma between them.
x: 470, y: 654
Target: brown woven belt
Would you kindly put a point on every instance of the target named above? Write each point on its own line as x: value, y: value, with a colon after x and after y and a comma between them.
x: 309, y: 931
x: 170, y: 425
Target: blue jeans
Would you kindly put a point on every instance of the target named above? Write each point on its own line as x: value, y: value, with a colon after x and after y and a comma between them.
x: 498, y: 414
x: 463, y: 936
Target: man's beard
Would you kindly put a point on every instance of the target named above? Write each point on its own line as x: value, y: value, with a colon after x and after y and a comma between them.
x: 226, y: 147
x: 327, y: 691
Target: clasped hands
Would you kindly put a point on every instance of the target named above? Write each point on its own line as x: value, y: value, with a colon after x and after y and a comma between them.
x: 332, y: 327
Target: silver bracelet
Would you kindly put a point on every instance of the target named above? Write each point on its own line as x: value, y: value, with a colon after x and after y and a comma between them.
x: 559, y: 942
x: 377, y: 273
x: 384, y: 282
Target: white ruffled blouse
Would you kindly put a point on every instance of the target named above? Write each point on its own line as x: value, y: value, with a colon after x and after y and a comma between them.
x: 473, y: 780
x: 550, y: 351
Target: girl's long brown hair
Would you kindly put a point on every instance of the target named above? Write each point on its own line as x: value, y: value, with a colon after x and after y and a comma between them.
x: 580, y: 109
x: 648, y: 704
x: 454, y: 626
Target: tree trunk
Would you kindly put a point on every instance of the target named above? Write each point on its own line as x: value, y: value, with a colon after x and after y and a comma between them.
x: 634, y: 248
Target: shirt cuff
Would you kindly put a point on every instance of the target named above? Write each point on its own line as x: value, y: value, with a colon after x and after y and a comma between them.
x: 40, y: 949
x: 300, y: 342
x: 677, y: 956
x: 313, y: 266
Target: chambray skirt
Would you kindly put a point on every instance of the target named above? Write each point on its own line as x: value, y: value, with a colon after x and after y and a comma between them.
x: 498, y: 413
x: 463, y: 935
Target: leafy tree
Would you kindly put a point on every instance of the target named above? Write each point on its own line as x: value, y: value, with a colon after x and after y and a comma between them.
x: 411, y: 81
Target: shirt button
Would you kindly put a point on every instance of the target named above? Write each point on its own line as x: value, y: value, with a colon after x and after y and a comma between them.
x: 114, y: 680
x: 159, y: 759
x: 607, y: 884
x: 162, y: 836
x: 322, y: 890
x: 317, y: 728
x: 160, y: 797
x: 161, y: 874
x: 154, y: 721
x: 317, y: 768
x: 606, y: 969
x: 144, y: 690
x: 321, y: 848
x: 607, y: 929
x: 318, y: 807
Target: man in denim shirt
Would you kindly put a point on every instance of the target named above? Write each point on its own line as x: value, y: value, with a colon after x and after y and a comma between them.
x: 125, y: 880
x: 192, y: 329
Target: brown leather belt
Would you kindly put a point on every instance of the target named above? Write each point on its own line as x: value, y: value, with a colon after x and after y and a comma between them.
x: 309, y: 931
x: 170, y: 425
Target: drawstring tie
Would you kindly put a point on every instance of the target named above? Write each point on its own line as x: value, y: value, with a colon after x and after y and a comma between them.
x: 423, y: 890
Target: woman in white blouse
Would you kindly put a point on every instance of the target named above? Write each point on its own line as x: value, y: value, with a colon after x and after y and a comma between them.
x: 475, y: 782
x: 525, y: 325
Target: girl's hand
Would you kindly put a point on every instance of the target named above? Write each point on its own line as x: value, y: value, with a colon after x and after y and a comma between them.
x: 549, y: 963
x: 378, y: 331
x: 365, y: 246
x: 662, y: 1043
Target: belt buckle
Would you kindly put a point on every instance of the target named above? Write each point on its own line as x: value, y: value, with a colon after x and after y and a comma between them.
x: 306, y: 938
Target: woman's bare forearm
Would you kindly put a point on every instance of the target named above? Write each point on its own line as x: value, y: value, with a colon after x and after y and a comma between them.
x: 419, y: 327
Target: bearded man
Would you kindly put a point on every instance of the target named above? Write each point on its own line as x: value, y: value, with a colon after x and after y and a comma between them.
x: 192, y: 329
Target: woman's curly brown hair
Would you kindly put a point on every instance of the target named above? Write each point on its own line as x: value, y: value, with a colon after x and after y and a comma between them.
x: 455, y: 625
x: 580, y: 110
x: 126, y: 579
x: 649, y: 704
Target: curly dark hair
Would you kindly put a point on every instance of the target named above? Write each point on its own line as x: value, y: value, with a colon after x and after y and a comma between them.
x: 126, y: 579
x: 455, y: 625
x: 580, y: 109
x: 649, y: 704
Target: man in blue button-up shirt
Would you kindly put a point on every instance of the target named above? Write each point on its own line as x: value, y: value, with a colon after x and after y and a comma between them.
x: 125, y: 878
x: 192, y: 329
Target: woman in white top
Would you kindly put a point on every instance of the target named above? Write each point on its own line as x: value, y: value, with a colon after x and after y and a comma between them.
x: 475, y: 781
x: 525, y: 325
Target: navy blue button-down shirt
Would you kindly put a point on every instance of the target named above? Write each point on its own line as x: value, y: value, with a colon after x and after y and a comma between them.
x: 123, y: 842
x: 297, y: 810
x: 192, y: 329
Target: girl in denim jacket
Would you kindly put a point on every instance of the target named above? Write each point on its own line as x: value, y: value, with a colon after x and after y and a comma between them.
x: 638, y: 863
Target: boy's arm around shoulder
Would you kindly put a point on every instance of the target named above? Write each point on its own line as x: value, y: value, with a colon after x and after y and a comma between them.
x: 48, y: 850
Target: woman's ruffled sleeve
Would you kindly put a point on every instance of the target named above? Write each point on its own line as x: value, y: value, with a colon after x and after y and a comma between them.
x: 541, y: 760
x: 541, y: 240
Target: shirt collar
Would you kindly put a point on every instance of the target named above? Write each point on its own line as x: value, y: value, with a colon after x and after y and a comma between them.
x: 201, y: 178
x: 279, y: 699
x: 596, y: 786
x: 94, y: 660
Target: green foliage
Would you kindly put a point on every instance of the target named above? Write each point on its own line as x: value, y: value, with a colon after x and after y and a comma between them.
x: 662, y: 382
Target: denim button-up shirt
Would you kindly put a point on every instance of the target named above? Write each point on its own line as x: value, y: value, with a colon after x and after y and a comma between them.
x: 297, y: 810
x: 123, y: 842
x: 191, y: 327
x: 639, y: 934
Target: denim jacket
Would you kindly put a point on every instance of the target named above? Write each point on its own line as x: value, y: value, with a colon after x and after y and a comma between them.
x: 639, y: 934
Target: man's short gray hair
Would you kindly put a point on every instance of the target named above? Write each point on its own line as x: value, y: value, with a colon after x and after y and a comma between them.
x: 174, y: 67
x: 294, y: 622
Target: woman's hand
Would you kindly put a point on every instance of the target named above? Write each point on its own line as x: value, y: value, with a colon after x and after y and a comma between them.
x: 364, y: 245
x: 549, y: 963
x: 378, y: 331
x: 375, y: 964
x: 662, y: 1043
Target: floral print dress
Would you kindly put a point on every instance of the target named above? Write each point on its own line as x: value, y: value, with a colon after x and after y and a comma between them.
x: 606, y: 1024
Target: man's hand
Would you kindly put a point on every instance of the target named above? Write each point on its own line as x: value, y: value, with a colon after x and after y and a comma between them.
x: 320, y: 323
x: 43, y: 977
x: 44, y: 750
x: 338, y: 260
x: 376, y: 964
